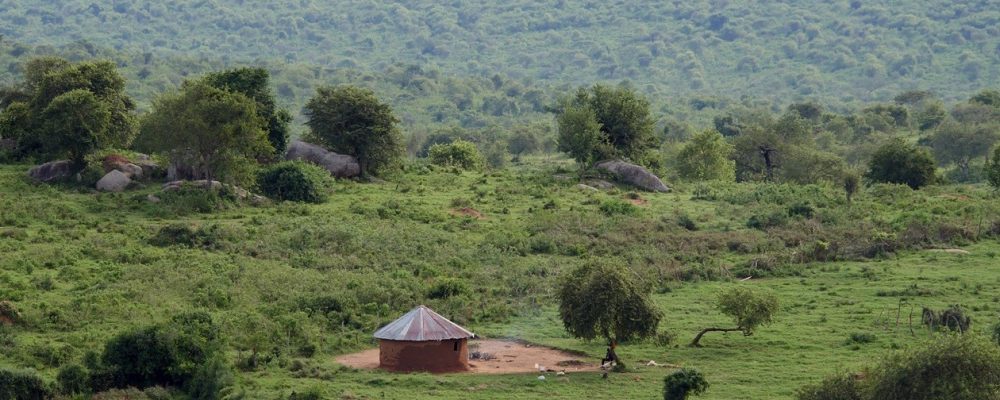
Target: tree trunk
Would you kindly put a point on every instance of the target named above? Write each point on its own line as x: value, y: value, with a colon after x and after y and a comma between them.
x: 766, y: 152
x: 694, y: 343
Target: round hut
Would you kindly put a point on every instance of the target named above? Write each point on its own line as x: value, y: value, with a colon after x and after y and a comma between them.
x: 424, y: 341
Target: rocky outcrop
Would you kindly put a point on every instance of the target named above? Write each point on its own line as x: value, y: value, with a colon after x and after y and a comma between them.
x: 52, y: 171
x: 150, y: 169
x: 114, y: 181
x: 134, y: 170
x: 339, y: 165
x: 633, y: 175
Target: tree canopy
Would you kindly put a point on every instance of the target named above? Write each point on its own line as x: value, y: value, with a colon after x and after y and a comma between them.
x: 255, y: 84
x: 352, y: 120
x: 706, y: 157
x: 217, y: 133
x: 62, y: 109
x: 600, y: 299
x: 606, y: 122
x: 749, y: 308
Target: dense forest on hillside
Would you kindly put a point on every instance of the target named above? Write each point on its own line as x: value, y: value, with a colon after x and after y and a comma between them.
x: 840, y: 52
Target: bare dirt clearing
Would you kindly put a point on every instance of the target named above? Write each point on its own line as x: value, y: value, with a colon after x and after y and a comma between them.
x: 505, y: 357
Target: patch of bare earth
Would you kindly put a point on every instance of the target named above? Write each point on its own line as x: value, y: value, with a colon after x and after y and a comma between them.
x: 505, y: 357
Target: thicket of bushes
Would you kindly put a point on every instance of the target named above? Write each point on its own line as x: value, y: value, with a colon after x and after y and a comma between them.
x: 962, y: 367
x: 294, y: 181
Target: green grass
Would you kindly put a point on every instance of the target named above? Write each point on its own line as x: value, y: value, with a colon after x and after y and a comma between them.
x: 81, y: 267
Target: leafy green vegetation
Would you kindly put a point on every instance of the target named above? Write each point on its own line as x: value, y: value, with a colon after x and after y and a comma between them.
x: 831, y: 158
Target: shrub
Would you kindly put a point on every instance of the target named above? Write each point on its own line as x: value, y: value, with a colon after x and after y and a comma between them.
x: 190, y: 198
x: 179, y: 234
x: 996, y: 334
x: 447, y: 288
x: 839, y: 387
x: 159, y: 355
x: 460, y: 153
x: 73, y: 379
x: 762, y: 222
x: 681, y: 384
x: 211, y: 380
x: 617, y: 207
x: 22, y: 385
x: 294, y: 181
x: 992, y: 169
x: 900, y: 162
x: 861, y: 338
x: 9, y: 313
x: 803, y: 210
x: 496, y: 155
x: 685, y: 221
x: 961, y: 367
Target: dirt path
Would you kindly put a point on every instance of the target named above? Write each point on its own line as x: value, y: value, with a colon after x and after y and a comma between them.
x: 509, y: 357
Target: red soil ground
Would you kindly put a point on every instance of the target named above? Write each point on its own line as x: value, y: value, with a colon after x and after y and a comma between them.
x: 510, y: 358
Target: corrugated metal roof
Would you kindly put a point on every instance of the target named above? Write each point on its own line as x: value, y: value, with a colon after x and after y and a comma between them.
x: 420, y: 325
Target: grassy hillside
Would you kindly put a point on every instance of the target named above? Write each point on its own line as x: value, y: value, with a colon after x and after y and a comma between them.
x: 841, y: 52
x: 308, y: 282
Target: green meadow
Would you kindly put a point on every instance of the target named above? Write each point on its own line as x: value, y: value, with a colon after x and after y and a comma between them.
x: 300, y: 284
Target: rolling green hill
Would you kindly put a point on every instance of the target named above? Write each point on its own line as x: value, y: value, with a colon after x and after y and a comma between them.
x: 841, y: 52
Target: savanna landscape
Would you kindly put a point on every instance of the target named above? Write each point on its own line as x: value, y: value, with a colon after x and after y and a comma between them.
x: 723, y: 200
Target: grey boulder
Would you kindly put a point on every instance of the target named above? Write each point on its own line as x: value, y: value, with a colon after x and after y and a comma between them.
x: 339, y: 165
x: 633, y: 175
x: 114, y: 181
x: 52, y: 171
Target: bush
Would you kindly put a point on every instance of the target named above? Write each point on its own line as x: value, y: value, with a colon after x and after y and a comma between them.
x: 685, y: 221
x: 447, y: 288
x: 960, y: 367
x: 197, y: 199
x: 861, y: 338
x: 211, y: 380
x: 22, y: 385
x: 617, y: 207
x: 681, y: 384
x: 496, y: 155
x: 762, y: 222
x: 73, y: 379
x: 178, y: 234
x: 460, y: 153
x: 839, y: 387
x: 294, y: 181
x: 160, y: 355
x: 900, y: 162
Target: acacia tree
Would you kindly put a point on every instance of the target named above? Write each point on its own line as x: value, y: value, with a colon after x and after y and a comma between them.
x: 959, y: 144
x: 606, y: 122
x: 706, y: 157
x: 598, y: 299
x: 749, y: 308
x: 353, y: 121
x: 218, y: 133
